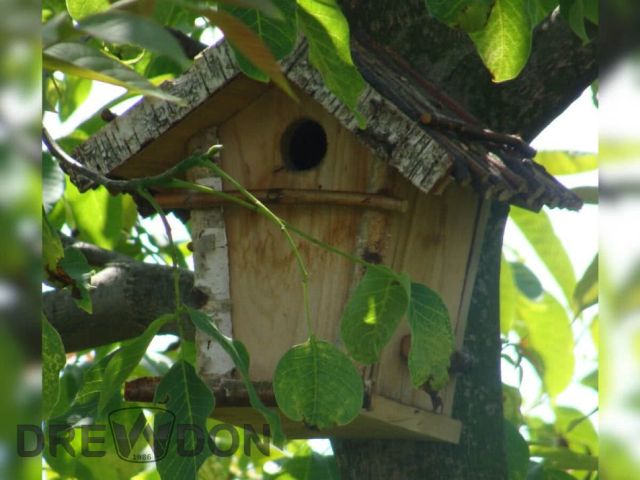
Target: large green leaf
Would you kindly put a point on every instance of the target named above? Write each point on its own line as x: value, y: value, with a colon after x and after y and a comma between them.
x: 127, y: 29
x: 184, y: 394
x: 279, y: 35
x: 551, y: 340
x: 507, y: 296
x: 517, y: 452
x: 81, y: 8
x: 53, y: 359
x: 586, y: 292
x: 238, y: 353
x: 52, y: 250
x: 373, y: 313
x: 327, y: 31
x: 470, y: 15
x: 504, y: 43
x: 316, y: 383
x: 538, y: 230
x: 84, y: 61
x: 99, y: 217
x: 125, y: 360
x: 567, y: 163
x: 574, y: 13
x: 432, y: 342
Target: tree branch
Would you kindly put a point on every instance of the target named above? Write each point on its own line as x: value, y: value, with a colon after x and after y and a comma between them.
x: 126, y: 298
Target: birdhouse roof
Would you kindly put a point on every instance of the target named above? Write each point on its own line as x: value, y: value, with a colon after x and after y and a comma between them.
x: 420, y: 131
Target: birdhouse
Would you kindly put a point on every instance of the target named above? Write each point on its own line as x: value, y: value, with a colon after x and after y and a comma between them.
x: 410, y: 190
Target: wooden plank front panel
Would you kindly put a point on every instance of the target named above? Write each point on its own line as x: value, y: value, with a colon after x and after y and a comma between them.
x: 431, y: 243
x: 266, y: 292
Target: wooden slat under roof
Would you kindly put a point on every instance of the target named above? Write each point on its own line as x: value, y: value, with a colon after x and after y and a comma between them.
x: 152, y: 135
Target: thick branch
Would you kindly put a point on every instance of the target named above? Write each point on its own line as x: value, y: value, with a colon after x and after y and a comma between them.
x: 96, y: 256
x: 126, y: 298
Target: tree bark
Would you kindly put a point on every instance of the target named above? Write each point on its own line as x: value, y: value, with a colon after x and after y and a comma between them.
x: 126, y: 298
x: 478, y: 401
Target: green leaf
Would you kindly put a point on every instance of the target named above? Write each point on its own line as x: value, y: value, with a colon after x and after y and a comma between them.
x: 269, y: 8
x: 373, y: 313
x: 573, y: 12
x: 75, y: 265
x: 310, y: 466
x: 508, y: 294
x: 238, y: 353
x: 81, y: 8
x: 591, y: 380
x: 538, y: 230
x: 550, y: 337
x: 316, y: 383
x: 577, y: 429
x: 97, y: 216
x: 511, y: 405
x: 564, y: 459
x: 75, y: 92
x: 470, y: 15
x: 184, y: 394
x: 558, y: 162
x: 53, y: 360
x: 279, y: 35
x: 586, y: 292
x: 52, y: 250
x: 127, y: 29
x: 327, y: 32
x: 432, y: 342
x: 526, y: 280
x: 87, y: 62
x: 504, y: 43
x: 539, y: 10
x: 244, y: 40
x: 125, y: 360
x: 517, y: 452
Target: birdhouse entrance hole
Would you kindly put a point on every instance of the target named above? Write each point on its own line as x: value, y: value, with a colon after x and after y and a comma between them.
x: 303, y: 144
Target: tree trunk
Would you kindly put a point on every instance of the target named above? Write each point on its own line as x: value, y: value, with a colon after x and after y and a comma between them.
x: 478, y: 401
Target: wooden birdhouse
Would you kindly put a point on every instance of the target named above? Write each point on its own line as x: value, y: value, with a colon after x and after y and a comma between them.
x: 410, y: 190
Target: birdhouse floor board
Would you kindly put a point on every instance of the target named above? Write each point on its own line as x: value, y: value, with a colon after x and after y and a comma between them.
x: 387, y: 419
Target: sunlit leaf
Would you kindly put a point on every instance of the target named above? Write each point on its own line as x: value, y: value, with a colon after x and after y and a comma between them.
x: 52, y: 250
x: 538, y: 230
x: 373, y: 313
x: 550, y: 338
x: 244, y: 40
x: 279, y: 35
x: 566, y: 163
x: 577, y: 429
x: 81, y: 8
x: 74, y: 92
x: 327, y: 31
x: 316, y: 383
x: 432, y: 342
x: 53, y: 359
x: 184, y: 394
x: 126, y: 358
x: 586, y: 292
x: 87, y: 62
x: 504, y: 43
x: 564, y: 459
x: 125, y: 28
